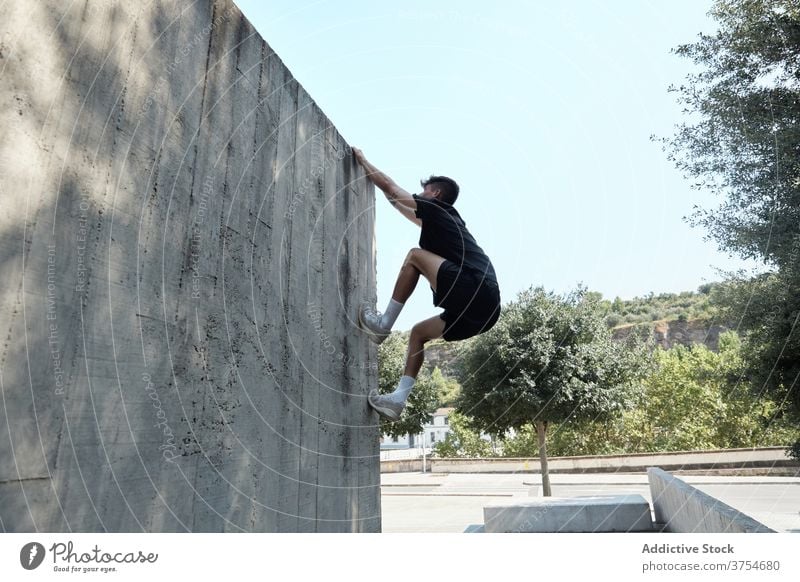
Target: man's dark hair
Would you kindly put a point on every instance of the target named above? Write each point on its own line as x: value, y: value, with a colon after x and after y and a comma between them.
x: 448, y: 187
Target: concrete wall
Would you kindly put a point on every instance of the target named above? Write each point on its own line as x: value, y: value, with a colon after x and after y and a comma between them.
x: 767, y: 458
x: 184, y: 243
x: 405, y: 466
x: 679, y: 507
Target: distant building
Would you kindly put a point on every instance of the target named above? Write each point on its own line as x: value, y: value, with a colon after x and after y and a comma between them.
x: 439, y: 428
x: 433, y: 432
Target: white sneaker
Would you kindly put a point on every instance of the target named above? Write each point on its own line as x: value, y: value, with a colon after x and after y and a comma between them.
x: 370, y: 321
x: 385, y: 406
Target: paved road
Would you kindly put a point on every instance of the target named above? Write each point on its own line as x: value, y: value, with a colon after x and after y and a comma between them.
x: 416, y: 502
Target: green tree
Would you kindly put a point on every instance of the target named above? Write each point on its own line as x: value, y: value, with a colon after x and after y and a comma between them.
x: 548, y: 359
x: 462, y: 440
x: 447, y: 389
x: 423, y: 398
x: 679, y: 407
x: 696, y: 400
x: 749, y: 419
x: 693, y: 399
x: 521, y: 443
x: 591, y: 437
x: 741, y: 144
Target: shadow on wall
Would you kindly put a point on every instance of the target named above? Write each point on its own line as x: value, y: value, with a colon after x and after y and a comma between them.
x: 184, y: 237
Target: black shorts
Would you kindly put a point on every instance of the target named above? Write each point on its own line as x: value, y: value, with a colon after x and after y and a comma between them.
x: 471, y: 303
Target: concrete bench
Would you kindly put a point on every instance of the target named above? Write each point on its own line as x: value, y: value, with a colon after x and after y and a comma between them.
x: 596, y: 513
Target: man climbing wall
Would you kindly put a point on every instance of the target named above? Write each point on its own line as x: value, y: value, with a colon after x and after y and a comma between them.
x: 460, y: 274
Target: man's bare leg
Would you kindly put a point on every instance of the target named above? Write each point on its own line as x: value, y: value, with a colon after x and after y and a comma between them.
x: 417, y: 262
x: 391, y: 405
x: 421, y: 333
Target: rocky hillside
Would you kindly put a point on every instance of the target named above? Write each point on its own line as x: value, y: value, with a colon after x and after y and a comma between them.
x: 666, y: 333
x: 684, y: 332
x: 443, y: 355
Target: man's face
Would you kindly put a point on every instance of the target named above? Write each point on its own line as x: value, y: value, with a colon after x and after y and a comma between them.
x: 429, y: 192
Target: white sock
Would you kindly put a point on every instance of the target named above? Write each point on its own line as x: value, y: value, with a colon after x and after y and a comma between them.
x: 390, y: 315
x: 403, y: 389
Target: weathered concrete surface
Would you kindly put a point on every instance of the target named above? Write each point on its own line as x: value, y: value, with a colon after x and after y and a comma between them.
x: 679, y: 507
x: 587, y: 513
x: 184, y: 242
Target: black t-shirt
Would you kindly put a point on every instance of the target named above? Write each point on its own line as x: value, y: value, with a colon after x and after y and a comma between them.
x: 444, y: 233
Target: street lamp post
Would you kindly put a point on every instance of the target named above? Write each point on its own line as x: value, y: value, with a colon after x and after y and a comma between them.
x: 423, y: 450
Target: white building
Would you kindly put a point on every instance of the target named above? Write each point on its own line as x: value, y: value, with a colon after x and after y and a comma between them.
x: 409, y: 446
x: 437, y: 430
x: 433, y: 432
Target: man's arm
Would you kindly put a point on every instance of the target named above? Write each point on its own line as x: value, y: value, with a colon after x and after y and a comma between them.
x: 399, y: 198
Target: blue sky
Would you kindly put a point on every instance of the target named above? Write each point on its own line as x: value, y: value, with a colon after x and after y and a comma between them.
x: 542, y: 112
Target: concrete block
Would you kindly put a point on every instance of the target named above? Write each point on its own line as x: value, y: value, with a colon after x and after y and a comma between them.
x: 601, y: 513
x: 185, y: 239
x: 683, y: 508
